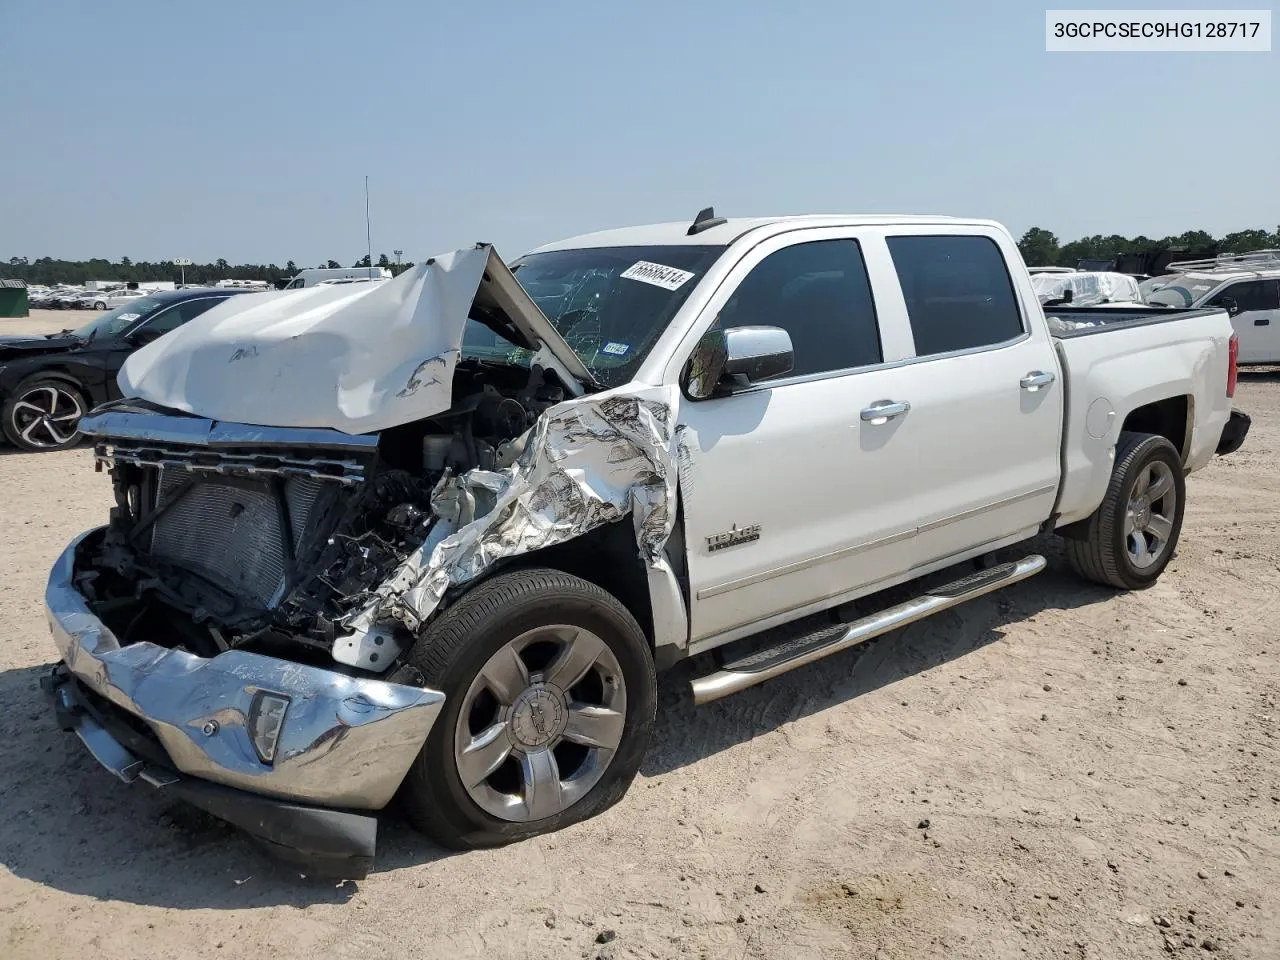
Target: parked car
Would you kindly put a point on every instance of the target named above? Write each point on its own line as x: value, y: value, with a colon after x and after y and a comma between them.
x: 1246, y: 285
x: 66, y: 299
x: 48, y: 383
x: 110, y: 299
x: 350, y: 560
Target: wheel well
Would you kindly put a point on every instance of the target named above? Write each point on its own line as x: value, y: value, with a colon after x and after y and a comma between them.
x: 55, y: 373
x: 608, y: 557
x: 1169, y: 418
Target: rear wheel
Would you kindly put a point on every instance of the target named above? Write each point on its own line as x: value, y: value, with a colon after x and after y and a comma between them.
x: 550, y: 699
x: 1132, y: 535
x: 43, y: 414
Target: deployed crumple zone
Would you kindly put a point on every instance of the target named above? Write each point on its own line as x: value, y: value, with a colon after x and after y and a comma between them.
x: 588, y: 462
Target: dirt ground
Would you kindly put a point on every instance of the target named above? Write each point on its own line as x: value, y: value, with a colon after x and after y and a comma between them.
x: 1053, y: 771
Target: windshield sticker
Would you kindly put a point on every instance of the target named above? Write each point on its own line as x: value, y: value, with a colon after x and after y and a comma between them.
x: 616, y: 349
x: 128, y: 316
x: 669, y: 278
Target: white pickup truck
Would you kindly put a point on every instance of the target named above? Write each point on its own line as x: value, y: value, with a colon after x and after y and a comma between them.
x: 436, y: 537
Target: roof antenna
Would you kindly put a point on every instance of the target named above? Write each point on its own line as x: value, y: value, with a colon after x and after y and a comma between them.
x: 705, y: 220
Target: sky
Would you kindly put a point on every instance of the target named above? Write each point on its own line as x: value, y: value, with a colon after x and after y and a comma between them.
x: 244, y: 130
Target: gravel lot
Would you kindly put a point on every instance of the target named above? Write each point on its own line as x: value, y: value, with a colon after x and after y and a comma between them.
x: 1053, y: 771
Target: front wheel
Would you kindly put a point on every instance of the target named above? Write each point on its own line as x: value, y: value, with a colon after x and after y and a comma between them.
x: 100, y: 305
x: 550, y: 694
x: 43, y: 414
x: 1130, y: 538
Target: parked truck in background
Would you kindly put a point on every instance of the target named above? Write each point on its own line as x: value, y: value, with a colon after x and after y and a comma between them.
x: 1246, y: 285
x: 314, y: 275
x: 355, y: 556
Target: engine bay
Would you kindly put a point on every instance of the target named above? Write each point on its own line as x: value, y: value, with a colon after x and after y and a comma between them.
x: 271, y: 549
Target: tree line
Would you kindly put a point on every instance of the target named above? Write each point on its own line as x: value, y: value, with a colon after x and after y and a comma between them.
x: 1040, y: 248
x: 46, y: 271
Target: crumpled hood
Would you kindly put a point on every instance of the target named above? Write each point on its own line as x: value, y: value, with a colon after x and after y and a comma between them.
x: 355, y: 357
x: 26, y: 345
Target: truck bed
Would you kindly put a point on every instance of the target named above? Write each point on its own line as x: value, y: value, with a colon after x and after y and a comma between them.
x: 1066, y: 322
x: 1176, y: 358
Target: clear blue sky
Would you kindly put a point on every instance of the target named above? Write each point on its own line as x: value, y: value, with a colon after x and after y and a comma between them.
x: 244, y: 129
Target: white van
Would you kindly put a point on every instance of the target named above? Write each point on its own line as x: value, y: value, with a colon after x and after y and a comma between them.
x: 309, y: 278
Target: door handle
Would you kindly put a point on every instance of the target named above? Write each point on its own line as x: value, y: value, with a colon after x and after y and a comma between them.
x: 1036, y: 379
x: 1263, y: 322
x: 882, y: 411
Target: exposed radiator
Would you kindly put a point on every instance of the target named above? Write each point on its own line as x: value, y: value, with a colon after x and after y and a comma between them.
x: 231, y: 531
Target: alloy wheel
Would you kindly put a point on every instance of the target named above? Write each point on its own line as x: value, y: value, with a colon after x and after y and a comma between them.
x: 1149, y: 515
x: 46, y: 416
x: 540, y: 723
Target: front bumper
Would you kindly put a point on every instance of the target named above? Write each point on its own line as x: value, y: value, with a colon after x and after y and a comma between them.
x: 345, y: 742
x: 320, y: 841
x: 1234, y: 432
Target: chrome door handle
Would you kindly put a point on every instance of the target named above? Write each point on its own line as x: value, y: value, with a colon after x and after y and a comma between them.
x: 882, y: 411
x: 1036, y: 379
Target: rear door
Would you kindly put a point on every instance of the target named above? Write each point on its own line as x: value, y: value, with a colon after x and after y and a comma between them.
x: 1256, y: 319
x: 793, y: 495
x: 985, y: 394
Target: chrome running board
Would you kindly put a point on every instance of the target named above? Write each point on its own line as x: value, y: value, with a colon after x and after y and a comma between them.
x: 798, y: 651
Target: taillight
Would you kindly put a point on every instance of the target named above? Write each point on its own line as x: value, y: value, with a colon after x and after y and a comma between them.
x: 1233, y: 354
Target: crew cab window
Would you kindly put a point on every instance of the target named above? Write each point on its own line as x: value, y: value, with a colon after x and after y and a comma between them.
x: 819, y: 293
x: 1250, y: 295
x: 180, y: 313
x: 958, y: 292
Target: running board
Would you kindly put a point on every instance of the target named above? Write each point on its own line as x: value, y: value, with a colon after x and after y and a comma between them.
x: 798, y: 651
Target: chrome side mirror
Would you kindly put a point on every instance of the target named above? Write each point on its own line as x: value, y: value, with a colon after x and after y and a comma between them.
x: 733, y: 359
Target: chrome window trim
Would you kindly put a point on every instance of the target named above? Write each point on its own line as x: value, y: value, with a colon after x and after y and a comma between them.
x: 853, y: 371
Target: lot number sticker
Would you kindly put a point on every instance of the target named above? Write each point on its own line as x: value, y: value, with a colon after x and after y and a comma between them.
x: 669, y: 278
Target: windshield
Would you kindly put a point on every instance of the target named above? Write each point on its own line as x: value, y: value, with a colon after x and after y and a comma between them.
x: 1180, y: 291
x: 118, y: 320
x: 609, y: 303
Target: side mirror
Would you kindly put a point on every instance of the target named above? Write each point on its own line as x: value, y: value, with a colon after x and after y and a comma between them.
x: 1230, y: 305
x: 733, y: 359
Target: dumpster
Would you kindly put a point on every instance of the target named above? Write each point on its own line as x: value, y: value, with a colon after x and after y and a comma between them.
x: 13, y: 298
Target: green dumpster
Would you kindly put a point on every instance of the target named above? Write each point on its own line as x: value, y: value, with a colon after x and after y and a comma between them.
x: 13, y: 298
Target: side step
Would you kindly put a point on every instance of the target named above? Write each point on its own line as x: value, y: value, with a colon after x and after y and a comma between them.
x: 798, y: 651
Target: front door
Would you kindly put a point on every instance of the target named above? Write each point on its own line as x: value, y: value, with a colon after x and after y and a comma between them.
x: 792, y: 496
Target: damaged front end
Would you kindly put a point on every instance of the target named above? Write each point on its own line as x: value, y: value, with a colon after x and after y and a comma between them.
x: 240, y: 626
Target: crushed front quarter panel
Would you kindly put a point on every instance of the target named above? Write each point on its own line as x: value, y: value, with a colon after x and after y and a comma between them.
x: 586, y: 462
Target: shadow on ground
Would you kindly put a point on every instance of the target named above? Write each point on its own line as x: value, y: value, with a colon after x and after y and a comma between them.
x: 71, y: 826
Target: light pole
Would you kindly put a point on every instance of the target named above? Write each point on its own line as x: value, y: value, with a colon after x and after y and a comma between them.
x: 397, y: 253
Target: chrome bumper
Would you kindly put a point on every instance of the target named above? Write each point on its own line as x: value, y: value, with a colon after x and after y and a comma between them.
x: 345, y: 742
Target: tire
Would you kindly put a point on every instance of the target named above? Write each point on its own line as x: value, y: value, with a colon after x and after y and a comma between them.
x: 65, y: 403
x: 1110, y: 548
x: 99, y: 305
x: 542, y: 616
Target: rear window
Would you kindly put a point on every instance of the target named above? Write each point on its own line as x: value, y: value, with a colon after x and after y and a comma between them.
x: 958, y: 291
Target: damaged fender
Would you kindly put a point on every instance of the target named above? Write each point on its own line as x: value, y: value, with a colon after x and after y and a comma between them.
x: 587, y: 462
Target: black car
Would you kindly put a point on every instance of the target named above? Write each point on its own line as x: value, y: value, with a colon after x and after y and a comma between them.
x: 47, y: 383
